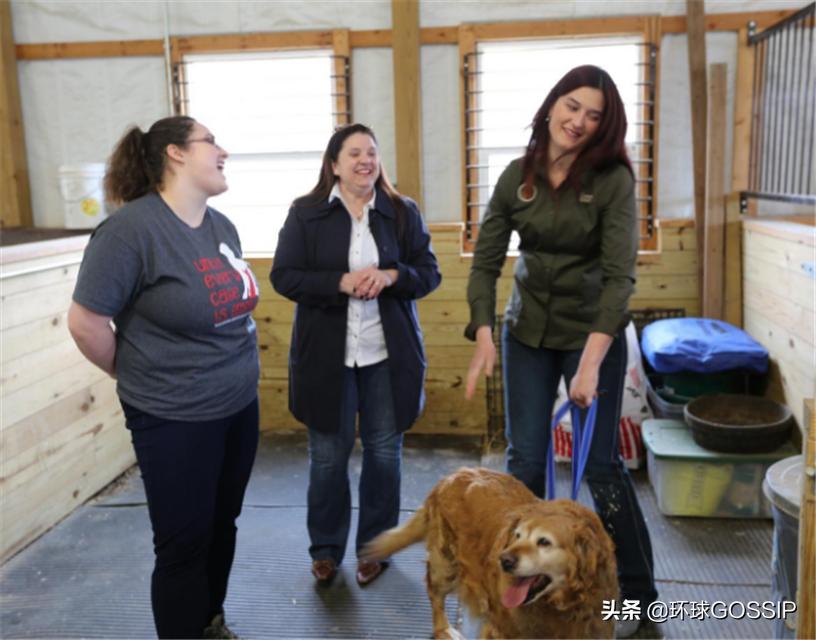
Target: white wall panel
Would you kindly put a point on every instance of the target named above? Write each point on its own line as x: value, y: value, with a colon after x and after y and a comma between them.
x: 75, y: 110
x: 372, y: 100
x: 441, y: 134
x: 675, y: 183
x: 434, y: 13
x: 62, y: 21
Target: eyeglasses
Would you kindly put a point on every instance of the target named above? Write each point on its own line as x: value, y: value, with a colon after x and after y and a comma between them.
x: 208, y: 140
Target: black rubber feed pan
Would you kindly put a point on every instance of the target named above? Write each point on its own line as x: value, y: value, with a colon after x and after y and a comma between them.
x: 735, y: 423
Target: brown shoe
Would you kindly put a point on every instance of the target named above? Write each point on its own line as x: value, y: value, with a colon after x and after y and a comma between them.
x: 368, y: 572
x: 324, y: 570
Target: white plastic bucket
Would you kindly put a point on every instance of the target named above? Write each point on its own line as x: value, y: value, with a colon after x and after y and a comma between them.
x: 82, y: 194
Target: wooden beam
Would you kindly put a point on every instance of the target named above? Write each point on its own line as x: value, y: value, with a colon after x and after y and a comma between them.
x: 743, y: 99
x: 699, y: 113
x: 101, y: 49
x: 806, y: 616
x: 714, y: 243
x: 383, y: 37
x: 551, y: 28
x: 733, y: 261
x: 15, y: 194
x: 407, y: 97
x: 728, y: 21
x: 256, y: 41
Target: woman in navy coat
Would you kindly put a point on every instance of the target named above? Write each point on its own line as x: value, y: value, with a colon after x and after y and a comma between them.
x: 354, y: 255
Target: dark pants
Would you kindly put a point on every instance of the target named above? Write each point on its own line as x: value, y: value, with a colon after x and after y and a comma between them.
x: 531, y: 378
x: 367, y: 392
x: 194, y: 474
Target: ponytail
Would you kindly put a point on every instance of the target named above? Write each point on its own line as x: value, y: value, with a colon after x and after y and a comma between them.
x: 139, y: 160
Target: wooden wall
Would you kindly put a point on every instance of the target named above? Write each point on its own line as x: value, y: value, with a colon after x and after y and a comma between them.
x: 665, y: 280
x: 62, y: 434
x: 779, y: 286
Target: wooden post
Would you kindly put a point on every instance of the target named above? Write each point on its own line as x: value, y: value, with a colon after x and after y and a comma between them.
x: 743, y: 102
x: 733, y: 260
x: 15, y: 194
x: 695, y: 27
x: 407, y: 97
x: 806, y: 615
x: 713, y: 257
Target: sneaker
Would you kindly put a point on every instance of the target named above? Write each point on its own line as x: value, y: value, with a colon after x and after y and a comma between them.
x: 218, y: 629
x: 626, y: 628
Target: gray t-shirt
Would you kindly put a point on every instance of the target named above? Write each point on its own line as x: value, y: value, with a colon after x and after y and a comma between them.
x: 181, y: 299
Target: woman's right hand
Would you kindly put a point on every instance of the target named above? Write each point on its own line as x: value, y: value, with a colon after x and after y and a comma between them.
x: 484, y: 359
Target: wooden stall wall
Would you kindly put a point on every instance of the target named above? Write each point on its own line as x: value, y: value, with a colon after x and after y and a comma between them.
x: 62, y: 434
x: 665, y: 280
x: 779, y: 285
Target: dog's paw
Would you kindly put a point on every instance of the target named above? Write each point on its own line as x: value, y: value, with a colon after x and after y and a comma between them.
x: 450, y: 634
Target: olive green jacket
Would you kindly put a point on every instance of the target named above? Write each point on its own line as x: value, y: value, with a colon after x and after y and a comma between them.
x: 576, y: 268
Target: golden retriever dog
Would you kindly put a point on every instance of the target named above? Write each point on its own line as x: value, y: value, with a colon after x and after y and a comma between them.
x: 529, y: 568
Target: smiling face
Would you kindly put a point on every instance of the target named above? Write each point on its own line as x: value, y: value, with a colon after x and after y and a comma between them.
x: 204, y: 161
x: 358, y: 165
x: 574, y: 119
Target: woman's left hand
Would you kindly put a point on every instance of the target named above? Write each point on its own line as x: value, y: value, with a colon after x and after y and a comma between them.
x: 372, y: 282
x: 584, y: 386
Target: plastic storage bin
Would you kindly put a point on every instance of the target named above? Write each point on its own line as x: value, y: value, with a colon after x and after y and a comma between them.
x: 691, y: 481
x: 663, y: 408
x: 783, y: 487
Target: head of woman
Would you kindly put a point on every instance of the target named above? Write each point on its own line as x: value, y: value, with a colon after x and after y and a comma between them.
x: 582, y: 116
x: 352, y: 159
x: 176, y: 150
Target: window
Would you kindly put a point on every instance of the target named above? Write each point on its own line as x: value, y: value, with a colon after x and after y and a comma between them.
x: 273, y: 112
x: 505, y: 84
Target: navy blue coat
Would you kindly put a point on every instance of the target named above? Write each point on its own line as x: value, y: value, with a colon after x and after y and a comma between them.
x: 310, y: 259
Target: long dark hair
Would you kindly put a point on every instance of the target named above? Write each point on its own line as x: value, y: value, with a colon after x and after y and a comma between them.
x: 138, y: 161
x: 605, y: 148
x: 325, y: 182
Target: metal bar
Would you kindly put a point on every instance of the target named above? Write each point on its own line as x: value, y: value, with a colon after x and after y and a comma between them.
x: 780, y: 197
x: 754, y: 117
x: 809, y: 101
x: 784, y: 97
x: 775, y: 133
x: 799, y: 119
x: 763, y: 157
x: 794, y: 111
x: 802, y: 14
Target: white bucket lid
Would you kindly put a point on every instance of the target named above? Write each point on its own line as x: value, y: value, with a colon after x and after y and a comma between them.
x: 85, y: 167
x: 783, y: 484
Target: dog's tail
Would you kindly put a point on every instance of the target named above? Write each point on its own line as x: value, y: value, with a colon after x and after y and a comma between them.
x: 396, y: 539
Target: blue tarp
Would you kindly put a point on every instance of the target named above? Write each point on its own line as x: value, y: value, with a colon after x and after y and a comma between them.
x: 701, y: 345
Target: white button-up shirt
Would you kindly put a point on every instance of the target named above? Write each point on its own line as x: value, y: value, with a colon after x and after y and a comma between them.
x: 365, y: 340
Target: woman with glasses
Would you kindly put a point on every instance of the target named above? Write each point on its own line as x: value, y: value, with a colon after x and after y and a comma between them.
x: 571, y: 198
x: 354, y: 255
x: 166, y: 270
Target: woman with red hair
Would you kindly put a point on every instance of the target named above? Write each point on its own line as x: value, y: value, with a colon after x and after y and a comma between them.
x: 571, y: 199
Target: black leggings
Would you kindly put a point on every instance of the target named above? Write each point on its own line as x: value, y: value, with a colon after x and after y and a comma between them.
x: 195, y: 475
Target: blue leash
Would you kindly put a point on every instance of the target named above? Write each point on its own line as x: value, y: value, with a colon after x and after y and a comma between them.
x: 581, y: 442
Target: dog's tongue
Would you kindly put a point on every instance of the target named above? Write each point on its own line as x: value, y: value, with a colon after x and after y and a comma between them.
x: 517, y: 592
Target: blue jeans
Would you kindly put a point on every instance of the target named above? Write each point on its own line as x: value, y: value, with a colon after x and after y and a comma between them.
x: 367, y: 392
x: 195, y: 475
x: 531, y: 378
